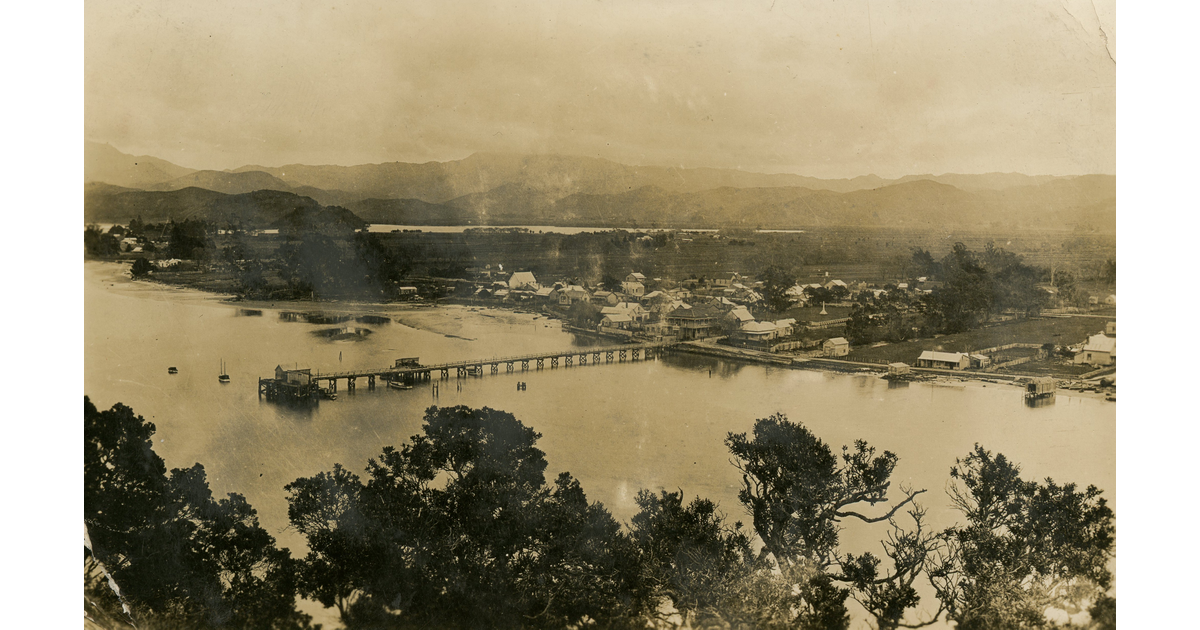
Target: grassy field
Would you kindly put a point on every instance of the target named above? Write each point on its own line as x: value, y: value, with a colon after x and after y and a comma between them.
x: 1060, y: 331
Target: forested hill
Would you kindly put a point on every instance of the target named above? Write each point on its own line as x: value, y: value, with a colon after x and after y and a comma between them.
x: 503, y: 189
x: 258, y: 209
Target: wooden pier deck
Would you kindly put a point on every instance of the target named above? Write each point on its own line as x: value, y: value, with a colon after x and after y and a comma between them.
x: 476, y: 367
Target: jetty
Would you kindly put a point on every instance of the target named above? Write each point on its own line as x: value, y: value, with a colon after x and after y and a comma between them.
x: 304, y: 383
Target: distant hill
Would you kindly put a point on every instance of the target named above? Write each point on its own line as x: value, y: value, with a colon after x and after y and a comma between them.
x: 258, y: 209
x: 104, y: 163
x: 914, y: 203
x: 510, y: 189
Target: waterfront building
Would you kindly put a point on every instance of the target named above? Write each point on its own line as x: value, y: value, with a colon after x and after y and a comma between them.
x: 944, y: 360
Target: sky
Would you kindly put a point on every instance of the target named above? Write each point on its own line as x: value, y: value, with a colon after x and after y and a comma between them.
x: 836, y: 88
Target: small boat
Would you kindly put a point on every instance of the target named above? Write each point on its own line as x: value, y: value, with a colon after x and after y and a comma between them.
x: 223, y: 376
x: 172, y: 370
x: 398, y: 385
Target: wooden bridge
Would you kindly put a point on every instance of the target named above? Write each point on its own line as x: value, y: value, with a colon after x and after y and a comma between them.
x: 476, y: 367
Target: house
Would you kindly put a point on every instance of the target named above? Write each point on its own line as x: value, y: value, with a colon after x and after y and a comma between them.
x: 635, y: 277
x: 543, y: 293
x: 726, y: 279
x: 903, y: 286
x: 944, y: 360
x: 739, y: 315
x: 785, y: 326
x: 616, y: 320
x: 1110, y: 328
x: 1111, y: 300
x: 571, y: 294
x: 834, y: 284
x: 406, y: 290
x: 757, y: 331
x: 523, y: 280
x: 836, y: 347
x: 635, y: 289
x: 979, y: 360
x: 605, y: 298
x: 703, y: 320
x: 1099, y: 349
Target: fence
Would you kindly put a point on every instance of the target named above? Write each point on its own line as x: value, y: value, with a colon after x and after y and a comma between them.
x: 829, y: 323
x: 1008, y: 346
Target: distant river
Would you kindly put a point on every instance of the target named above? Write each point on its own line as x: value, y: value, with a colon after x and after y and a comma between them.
x: 617, y: 428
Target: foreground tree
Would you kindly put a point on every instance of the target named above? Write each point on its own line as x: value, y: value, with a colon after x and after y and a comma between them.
x: 798, y: 492
x: 1026, y: 547
x: 690, y: 555
x: 180, y: 558
x: 458, y: 529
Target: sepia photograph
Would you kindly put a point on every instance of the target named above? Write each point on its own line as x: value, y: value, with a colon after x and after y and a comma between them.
x: 560, y: 315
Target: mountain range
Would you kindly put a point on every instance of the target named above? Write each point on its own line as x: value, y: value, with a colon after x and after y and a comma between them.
x: 508, y: 189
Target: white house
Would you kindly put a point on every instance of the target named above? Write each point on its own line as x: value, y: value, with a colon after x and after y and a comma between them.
x: 836, y: 347
x: 523, y: 281
x: 944, y: 360
x: 1099, y: 349
x: 635, y: 289
x: 571, y: 294
x: 635, y: 277
x: 616, y: 320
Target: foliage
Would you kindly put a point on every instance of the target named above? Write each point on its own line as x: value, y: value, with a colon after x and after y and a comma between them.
x: 1025, y: 547
x: 141, y: 268
x: 690, y: 555
x: 798, y: 492
x: 776, y: 281
x: 188, y: 239
x: 459, y: 529
x: 584, y: 314
x: 180, y: 557
x: 97, y: 243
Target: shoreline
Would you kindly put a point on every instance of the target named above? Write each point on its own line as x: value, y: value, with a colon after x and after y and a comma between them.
x: 698, y: 347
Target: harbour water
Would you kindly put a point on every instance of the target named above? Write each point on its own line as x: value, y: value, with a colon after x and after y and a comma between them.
x: 617, y: 427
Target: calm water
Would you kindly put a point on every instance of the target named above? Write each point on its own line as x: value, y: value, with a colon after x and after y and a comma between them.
x: 617, y: 428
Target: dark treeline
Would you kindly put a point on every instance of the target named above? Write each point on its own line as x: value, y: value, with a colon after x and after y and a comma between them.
x: 968, y: 288
x: 459, y: 528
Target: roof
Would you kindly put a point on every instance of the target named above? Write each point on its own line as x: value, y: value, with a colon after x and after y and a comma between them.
x: 1101, y: 343
x: 784, y: 323
x: 521, y: 277
x: 617, y: 318
x: 636, y: 276
x: 700, y: 311
x: 611, y: 310
x: 949, y: 357
x: 758, y: 327
x: 897, y: 365
x: 574, y: 288
x: 544, y: 291
x: 838, y: 341
x: 741, y: 314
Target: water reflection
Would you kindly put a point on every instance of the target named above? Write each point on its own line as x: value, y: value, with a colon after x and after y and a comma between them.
x: 1038, y: 403
x: 897, y: 384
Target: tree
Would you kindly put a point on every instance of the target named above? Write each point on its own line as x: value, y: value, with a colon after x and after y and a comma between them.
x: 798, y: 493
x: 141, y: 268
x: 459, y: 529
x: 584, y: 314
x: 181, y: 558
x: 1025, y: 547
x: 776, y: 282
x: 691, y: 556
